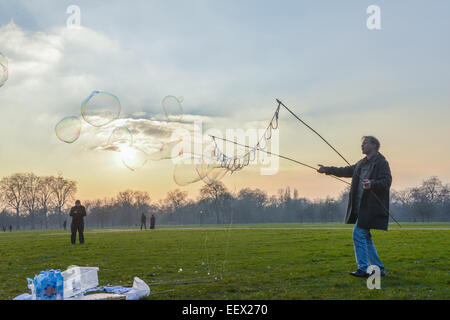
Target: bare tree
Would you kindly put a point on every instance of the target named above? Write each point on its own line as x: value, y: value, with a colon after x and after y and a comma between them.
x: 141, y: 201
x: 217, y: 196
x: 125, y: 198
x: 175, y: 199
x: 13, y: 192
x: 46, y: 197
x: 64, y: 191
x: 173, y: 203
x: 31, y: 195
x: 426, y: 198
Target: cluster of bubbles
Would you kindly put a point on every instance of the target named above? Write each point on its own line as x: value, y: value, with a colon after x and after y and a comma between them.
x: 210, y: 165
x: 3, y: 69
x: 98, y: 110
x: 101, y: 109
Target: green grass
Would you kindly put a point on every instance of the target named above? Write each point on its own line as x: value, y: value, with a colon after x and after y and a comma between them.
x: 271, y: 261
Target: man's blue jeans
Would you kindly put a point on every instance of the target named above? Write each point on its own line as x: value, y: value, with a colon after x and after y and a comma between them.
x: 365, y: 251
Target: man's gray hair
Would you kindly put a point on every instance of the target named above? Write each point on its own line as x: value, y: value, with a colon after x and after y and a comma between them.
x: 373, y: 141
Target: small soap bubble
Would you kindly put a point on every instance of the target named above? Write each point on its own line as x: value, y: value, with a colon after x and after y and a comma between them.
x: 100, y: 108
x: 68, y: 130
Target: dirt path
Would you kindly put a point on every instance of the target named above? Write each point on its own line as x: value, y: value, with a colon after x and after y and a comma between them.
x: 225, y: 229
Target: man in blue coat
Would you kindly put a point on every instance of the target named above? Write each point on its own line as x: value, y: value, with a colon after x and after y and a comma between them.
x: 368, y: 203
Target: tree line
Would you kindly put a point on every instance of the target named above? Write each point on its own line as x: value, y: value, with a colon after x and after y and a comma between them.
x: 30, y: 202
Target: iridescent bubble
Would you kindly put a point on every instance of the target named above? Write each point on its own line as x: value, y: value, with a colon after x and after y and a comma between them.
x: 185, y: 174
x: 120, y: 137
x: 100, y: 108
x: 3, y: 69
x: 133, y: 157
x: 68, y: 129
x: 172, y: 108
x: 210, y: 169
x: 167, y: 151
x: 212, y: 175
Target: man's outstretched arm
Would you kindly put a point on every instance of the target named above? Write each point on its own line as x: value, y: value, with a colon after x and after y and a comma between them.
x: 344, y: 172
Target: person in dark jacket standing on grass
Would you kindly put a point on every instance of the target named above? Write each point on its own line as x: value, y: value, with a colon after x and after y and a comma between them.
x: 77, y: 213
x: 143, y: 221
x: 368, y: 202
x: 152, y: 222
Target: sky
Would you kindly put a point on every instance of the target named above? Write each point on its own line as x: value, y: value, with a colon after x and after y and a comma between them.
x: 229, y: 60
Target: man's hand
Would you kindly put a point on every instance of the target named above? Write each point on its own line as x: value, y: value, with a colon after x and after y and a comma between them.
x: 322, y: 169
x: 366, y: 184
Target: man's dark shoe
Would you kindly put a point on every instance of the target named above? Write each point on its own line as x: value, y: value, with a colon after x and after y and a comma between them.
x: 382, y: 272
x: 359, y: 273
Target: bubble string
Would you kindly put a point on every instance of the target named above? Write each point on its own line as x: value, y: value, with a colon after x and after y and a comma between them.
x: 233, y: 164
x: 286, y: 158
x: 309, y: 127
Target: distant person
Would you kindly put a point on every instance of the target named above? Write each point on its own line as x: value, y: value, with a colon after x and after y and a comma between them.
x: 144, y: 221
x: 371, y: 179
x: 152, y: 222
x: 4, y: 228
x: 10, y: 228
x: 77, y: 213
x: 65, y: 224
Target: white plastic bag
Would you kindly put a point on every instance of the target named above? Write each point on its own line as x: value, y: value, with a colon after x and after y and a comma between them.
x: 139, y: 290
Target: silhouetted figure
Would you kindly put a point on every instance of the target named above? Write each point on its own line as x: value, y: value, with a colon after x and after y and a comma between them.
x: 10, y: 228
x: 4, y: 228
x: 65, y: 225
x: 152, y: 222
x: 144, y: 221
x: 77, y: 213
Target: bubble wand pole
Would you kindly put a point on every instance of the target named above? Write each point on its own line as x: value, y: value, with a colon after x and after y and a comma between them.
x: 309, y: 127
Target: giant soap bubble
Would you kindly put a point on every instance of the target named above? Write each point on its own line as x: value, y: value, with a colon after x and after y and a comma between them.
x: 167, y: 151
x: 100, y: 108
x: 68, y: 129
x: 185, y: 174
x: 3, y: 69
x: 133, y: 157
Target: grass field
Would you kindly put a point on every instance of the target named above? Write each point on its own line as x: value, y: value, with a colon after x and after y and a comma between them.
x: 270, y: 261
